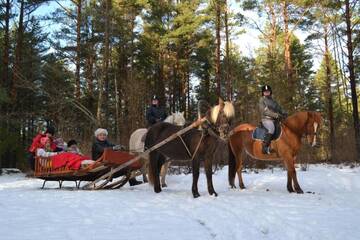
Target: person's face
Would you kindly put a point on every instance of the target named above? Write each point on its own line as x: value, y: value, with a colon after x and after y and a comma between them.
x: 267, y: 93
x: 155, y: 102
x: 102, y: 137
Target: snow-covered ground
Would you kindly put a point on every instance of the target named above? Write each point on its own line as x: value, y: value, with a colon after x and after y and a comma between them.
x: 265, y: 210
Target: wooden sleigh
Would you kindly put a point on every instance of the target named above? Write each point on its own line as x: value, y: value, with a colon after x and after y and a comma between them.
x: 104, y: 172
x: 108, y: 161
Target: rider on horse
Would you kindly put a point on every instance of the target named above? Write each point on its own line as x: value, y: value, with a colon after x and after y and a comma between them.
x: 270, y: 112
x: 155, y: 113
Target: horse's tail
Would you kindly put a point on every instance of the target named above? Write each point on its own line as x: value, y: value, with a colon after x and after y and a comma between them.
x: 232, y: 166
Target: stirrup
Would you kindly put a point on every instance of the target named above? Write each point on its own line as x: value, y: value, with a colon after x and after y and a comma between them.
x: 266, y: 150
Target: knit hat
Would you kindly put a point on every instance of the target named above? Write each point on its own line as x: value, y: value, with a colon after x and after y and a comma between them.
x: 100, y: 131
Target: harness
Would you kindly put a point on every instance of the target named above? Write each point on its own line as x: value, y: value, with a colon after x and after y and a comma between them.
x: 204, y: 131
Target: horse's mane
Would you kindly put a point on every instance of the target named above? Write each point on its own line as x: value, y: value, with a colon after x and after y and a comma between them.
x: 229, y: 111
x: 293, y: 121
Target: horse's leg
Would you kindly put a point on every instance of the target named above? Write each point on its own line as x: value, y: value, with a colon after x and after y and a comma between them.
x: 289, y: 162
x: 164, y: 170
x: 208, y: 171
x: 144, y: 168
x: 239, y: 167
x: 289, y: 181
x: 154, y: 170
x: 232, y: 167
x: 294, y: 177
x: 196, y: 172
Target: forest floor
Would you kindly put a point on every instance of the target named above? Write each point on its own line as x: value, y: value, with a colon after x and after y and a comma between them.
x: 265, y: 210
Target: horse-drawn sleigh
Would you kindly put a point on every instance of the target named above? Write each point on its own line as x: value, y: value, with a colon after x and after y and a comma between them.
x: 161, y: 141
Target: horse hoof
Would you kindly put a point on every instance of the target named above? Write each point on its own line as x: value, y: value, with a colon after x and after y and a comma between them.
x: 157, y: 190
x: 164, y: 185
x: 196, y: 195
x: 215, y: 194
x: 242, y: 187
x: 290, y: 190
x: 232, y: 186
x: 299, y: 191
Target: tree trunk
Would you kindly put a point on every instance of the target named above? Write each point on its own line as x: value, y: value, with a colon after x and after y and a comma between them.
x: 103, y: 81
x: 329, y: 100
x: 354, y: 99
x: 218, y: 45
x: 227, y: 49
x: 273, y: 37
x: 18, y: 52
x: 78, y: 50
x: 287, y: 53
x: 5, y: 77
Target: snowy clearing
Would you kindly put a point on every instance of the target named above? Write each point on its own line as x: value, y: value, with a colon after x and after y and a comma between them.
x: 265, y: 210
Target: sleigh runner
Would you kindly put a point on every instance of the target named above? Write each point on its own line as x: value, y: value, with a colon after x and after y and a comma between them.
x: 105, y: 171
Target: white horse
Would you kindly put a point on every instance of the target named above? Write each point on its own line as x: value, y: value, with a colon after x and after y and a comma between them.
x: 137, y: 138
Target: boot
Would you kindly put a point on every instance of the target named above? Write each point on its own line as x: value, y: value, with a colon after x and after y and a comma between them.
x: 133, y: 182
x: 266, y: 144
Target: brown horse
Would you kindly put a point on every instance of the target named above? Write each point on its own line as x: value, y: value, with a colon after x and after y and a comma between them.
x: 286, y: 147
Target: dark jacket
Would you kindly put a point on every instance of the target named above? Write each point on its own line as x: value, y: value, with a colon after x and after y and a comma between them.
x: 155, y: 114
x: 270, y: 109
x: 98, y: 148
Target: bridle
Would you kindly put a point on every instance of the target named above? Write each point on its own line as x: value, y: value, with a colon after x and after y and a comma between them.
x: 315, y: 133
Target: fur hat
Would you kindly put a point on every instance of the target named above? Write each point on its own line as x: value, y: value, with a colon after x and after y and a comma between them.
x: 100, y: 131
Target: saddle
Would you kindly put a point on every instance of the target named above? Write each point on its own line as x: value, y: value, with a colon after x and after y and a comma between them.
x: 260, y: 131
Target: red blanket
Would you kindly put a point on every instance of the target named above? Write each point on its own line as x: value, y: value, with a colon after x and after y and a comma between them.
x: 70, y: 160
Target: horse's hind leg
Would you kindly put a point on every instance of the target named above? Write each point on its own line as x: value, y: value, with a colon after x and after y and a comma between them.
x: 239, y: 167
x: 232, y: 167
x: 208, y: 171
x: 163, y: 172
x: 154, y: 170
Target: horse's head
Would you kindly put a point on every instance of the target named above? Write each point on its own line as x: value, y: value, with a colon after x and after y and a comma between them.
x: 312, y: 127
x: 176, y: 118
x: 221, y: 116
x: 179, y: 118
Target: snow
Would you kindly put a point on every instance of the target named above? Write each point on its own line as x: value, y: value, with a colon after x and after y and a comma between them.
x: 265, y: 210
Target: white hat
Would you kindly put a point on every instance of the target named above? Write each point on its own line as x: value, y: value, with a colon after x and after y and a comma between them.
x: 100, y: 131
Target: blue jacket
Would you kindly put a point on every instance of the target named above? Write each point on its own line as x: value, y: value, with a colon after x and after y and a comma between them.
x: 155, y: 114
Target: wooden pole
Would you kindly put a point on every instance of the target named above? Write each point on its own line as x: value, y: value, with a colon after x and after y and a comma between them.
x: 137, y: 158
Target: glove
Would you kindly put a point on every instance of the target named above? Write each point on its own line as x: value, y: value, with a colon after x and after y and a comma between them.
x: 118, y: 147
